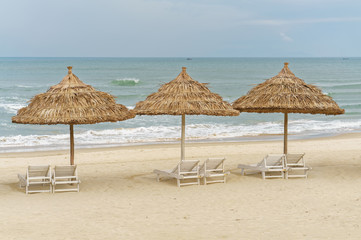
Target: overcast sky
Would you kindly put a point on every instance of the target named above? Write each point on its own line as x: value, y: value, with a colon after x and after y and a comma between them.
x: 180, y: 28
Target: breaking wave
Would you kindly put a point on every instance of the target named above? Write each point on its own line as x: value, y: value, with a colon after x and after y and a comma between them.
x: 126, y: 82
x: 168, y: 134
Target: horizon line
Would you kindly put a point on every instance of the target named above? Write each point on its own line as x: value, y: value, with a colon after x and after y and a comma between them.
x: 180, y: 57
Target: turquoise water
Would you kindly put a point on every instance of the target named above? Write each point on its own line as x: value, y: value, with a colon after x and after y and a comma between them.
x: 132, y: 79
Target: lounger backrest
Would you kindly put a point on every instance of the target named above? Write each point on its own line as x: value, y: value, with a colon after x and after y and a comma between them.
x: 38, y: 171
x: 214, y: 163
x: 273, y: 160
x: 262, y: 163
x: 185, y: 166
x: 64, y: 171
x: 295, y: 158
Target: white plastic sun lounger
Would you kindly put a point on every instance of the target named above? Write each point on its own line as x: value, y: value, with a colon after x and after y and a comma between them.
x: 296, y: 165
x: 272, y: 164
x: 213, y: 168
x: 36, y: 175
x: 66, y: 175
x: 185, y: 170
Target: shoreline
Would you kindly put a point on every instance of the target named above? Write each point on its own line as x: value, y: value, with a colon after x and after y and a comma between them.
x: 54, y: 152
x: 114, y: 137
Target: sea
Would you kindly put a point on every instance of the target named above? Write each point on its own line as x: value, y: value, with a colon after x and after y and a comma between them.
x: 131, y: 80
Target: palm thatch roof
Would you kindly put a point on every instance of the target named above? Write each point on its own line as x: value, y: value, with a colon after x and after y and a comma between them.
x: 72, y: 102
x: 287, y: 93
x: 184, y: 96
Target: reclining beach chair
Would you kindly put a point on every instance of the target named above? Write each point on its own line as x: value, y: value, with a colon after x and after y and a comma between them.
x: 213, y: 168
x: 296, y: 165
x: 66, y: 175
x: 185, y: 170
x: 272, y: 164
x: 36, y: 176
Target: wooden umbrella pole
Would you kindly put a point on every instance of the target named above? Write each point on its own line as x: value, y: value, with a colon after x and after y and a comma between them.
x: 71, y: 144
x: 285, y: 134
x: 183, y: 136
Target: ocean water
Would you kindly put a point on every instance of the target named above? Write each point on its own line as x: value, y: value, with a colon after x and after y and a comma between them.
x: 132, y: 79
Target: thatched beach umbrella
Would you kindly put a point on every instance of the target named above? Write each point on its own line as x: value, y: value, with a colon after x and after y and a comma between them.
x: 286, y: 93
x: 72, y: 102
x: 184, y: 96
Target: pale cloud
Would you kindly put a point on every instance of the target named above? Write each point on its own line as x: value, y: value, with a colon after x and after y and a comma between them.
x: 279, y: 22
x: 285, y: 37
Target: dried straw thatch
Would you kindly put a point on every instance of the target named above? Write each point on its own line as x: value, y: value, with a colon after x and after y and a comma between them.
x: 184, y: 96
x: 72, y: 102
x: 287, y: 93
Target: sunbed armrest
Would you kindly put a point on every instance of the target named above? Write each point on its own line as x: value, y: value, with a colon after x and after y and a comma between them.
x: 65, y: 177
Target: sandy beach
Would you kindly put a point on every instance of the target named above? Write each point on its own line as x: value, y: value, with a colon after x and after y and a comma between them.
x: 119, y: 197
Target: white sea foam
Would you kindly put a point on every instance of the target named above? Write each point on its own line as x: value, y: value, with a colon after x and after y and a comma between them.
x: 154, y: 134
x: 126, y: 81
x: 11, y: 104
x: 11, y: 107
x: 24, y: 86
x: 339, y: 84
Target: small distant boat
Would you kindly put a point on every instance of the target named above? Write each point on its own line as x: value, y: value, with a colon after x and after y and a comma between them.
x: 189, y: 58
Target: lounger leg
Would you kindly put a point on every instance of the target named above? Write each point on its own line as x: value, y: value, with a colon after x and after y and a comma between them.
x: 263, y: 175
x: 157, y: 177
x: 224, y: 178
x: 199, y: 181
x: 242, y: 171
x: 205, y: 180
x: 178, y: 182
